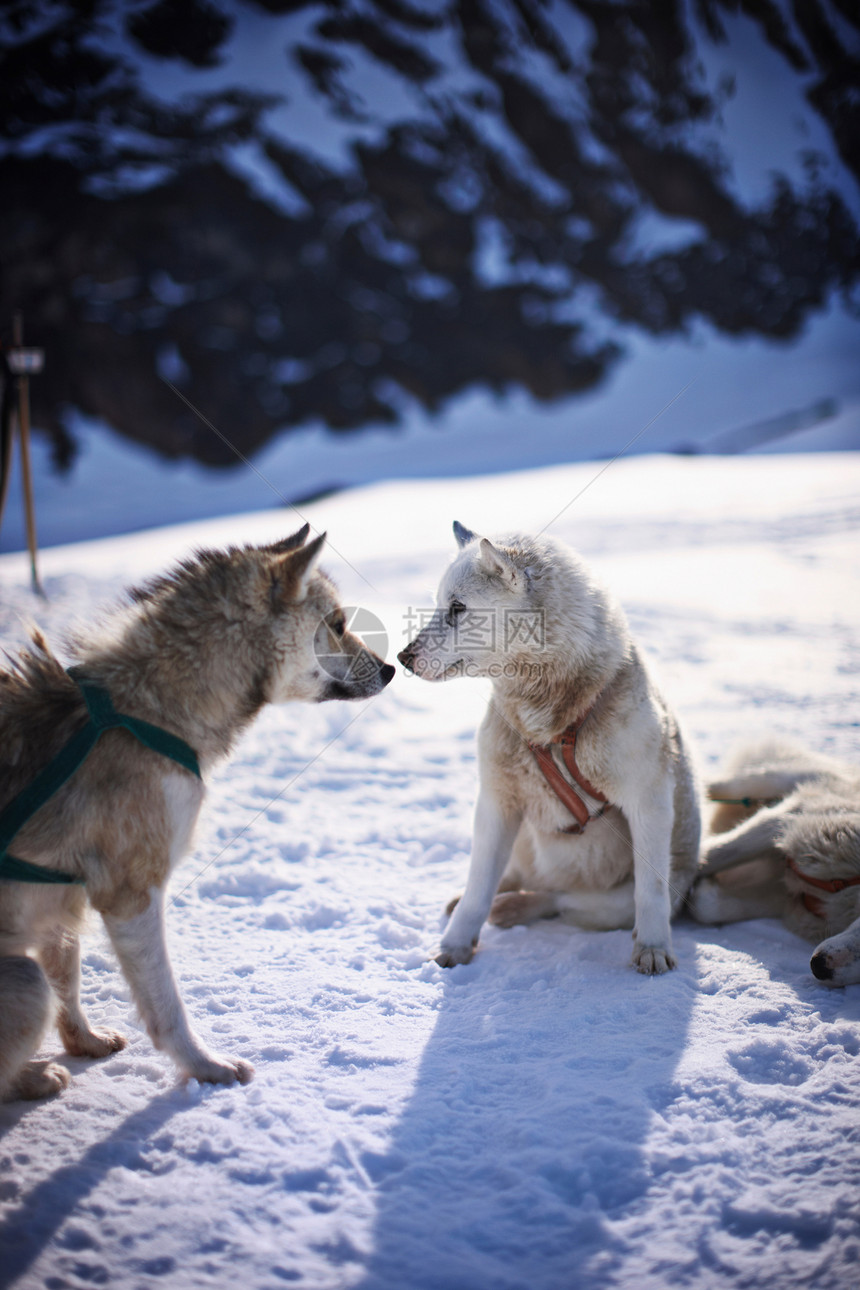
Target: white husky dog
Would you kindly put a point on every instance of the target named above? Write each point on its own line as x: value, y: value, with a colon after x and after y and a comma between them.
x: 785, y: 843
x: 588, y: 804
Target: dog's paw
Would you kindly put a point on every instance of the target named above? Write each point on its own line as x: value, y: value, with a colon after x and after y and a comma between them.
x: 451, y: 955
x: 217, y: 1069
x: 41, y: 1079
x: 652, y: 960
x: 93, y: 1043
x: 511, y: 908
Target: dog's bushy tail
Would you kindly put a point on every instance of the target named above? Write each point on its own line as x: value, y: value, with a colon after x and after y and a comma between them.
x: 37, y: 668
x: 39, y: 708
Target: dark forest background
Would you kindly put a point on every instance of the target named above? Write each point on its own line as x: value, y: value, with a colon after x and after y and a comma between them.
x: 136, y: 249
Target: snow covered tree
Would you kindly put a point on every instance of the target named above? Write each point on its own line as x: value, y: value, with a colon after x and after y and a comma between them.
x: 476, y: 203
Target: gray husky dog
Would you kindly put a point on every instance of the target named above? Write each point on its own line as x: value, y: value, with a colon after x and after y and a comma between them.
x: 785, y: 843
x: 192, y: 658
x: 588, y: 805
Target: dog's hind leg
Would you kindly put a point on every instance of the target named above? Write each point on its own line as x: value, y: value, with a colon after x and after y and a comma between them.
x: 594, y: 911
x: 753, y: 838
x: 142, y: 951
x: 26, y: 1010
x: 506, y: 884
x: 837, y: 960
x: 509, y: 908
x: 600, y: 911
x: 61, y: 958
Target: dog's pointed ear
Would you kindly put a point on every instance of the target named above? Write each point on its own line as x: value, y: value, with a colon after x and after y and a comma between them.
x: 498, y: 564
x: 290, y: 543
x: 463, y: 535
x: 297, y: 568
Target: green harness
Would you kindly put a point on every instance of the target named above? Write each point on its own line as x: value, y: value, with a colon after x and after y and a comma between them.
x: 103, y: 716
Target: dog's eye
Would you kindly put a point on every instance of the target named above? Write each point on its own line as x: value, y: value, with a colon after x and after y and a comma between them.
x: 338, y: 626
x: 454, y: 610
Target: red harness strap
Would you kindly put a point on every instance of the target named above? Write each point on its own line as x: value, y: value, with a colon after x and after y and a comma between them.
x: 564, y: 791
x: 811, y: 902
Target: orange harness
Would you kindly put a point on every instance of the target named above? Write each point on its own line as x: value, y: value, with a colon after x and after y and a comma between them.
x: 811, y: 902
x: 564, y: 791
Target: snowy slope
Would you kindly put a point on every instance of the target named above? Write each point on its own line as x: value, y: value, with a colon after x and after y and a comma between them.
x: 543, y: 1118
x: 701, y: 392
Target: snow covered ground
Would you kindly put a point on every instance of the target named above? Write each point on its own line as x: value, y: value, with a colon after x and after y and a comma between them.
x: 542, y: 1118
x: 700, y: 392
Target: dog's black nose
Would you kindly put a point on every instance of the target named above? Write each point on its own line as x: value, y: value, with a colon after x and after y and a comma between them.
x: 821, y: 968
x: 406, y: 657
x: 387, y: 672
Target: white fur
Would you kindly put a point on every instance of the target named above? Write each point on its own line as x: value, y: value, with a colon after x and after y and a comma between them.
x: 633, y: 865
x: 183, y: 798
x: 142, y: 952
x: 815, y: 821
x: 492, y: 842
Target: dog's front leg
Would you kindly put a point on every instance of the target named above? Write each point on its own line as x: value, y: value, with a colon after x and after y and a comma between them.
x: 141, y: 949
x: 492, y: 843
x: 650, y: 821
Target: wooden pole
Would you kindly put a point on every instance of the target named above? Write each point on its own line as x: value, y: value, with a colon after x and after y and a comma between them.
x: 7, y: 434
x: 26, y: 471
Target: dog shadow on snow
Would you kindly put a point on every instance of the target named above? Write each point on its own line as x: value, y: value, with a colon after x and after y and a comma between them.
x: 39, y: 1213
x: 525, y: 1133
x: 524, y: 1145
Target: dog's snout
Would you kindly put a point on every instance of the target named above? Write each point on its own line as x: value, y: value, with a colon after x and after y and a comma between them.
x: 387, y: 672
x: 821, y: 968
x: 407, y: 657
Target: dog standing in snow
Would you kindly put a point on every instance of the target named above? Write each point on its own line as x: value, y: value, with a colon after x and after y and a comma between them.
x: 785, y: 843
x: 588, y: 805
x: 193, y: 659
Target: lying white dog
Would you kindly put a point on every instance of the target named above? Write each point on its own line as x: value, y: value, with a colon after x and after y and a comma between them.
x: 588, y: 804
x: 785, y: 843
